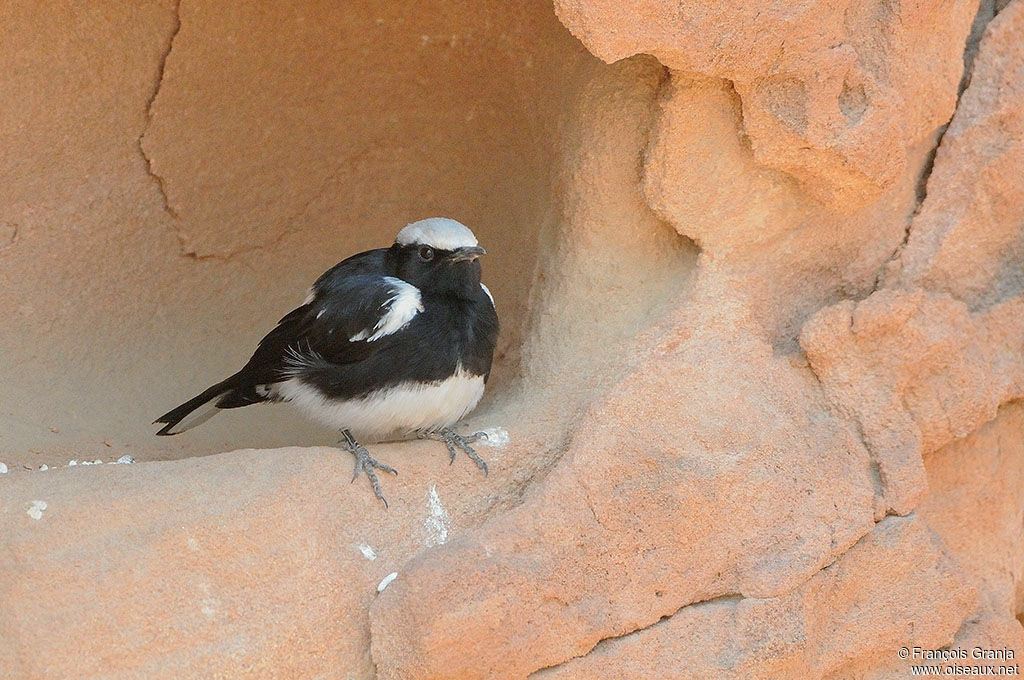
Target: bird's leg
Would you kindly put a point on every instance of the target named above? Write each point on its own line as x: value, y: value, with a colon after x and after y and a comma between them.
x: 453, y: 440
x: 365, y: 463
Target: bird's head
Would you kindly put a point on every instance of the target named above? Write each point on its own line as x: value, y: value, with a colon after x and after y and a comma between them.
x: 438, y: 255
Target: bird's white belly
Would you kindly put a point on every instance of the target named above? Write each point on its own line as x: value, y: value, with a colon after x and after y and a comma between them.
x: 393, y: 411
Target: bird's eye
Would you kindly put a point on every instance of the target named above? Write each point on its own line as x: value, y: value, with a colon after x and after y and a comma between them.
x: 426, y: 253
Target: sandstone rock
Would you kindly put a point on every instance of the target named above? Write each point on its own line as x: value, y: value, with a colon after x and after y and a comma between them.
x: 833, y: 93
x: 688, y: 490
x: 654, y: 506
x: 894, y: 587
x: 254, y: 564
x: 184, y: 569
x: 968, y: 239
x: 976, y: 504
x: 574, y: 563
x: 915, y: 370
x: 357, y: 123
x: 609, y: 240
x: 762, y: 236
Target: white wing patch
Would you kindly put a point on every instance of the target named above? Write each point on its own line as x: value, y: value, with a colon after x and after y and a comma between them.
x: 405, y: 303
x: 437, y: 232
x: 488, y: 291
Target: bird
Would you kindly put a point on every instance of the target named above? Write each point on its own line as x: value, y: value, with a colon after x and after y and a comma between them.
x: 390, y: 343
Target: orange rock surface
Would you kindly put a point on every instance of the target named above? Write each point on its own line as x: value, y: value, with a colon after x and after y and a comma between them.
x: 761, y: 273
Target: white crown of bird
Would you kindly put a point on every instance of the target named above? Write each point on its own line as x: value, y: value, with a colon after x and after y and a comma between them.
x: 437, y: 232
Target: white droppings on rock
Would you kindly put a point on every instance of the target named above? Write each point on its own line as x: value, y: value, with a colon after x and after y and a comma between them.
x: 494, y: 436
x: 35, y: 510
x: 72, y: 463
x: 368, y: 551
x: 3, y: 468
x: 386, y: 581
x: 209, y: 605
x: 437, y: 520
x: 124, y: 460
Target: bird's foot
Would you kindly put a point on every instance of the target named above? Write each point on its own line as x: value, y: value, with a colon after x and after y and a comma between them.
x: 366, y: 463
x: 453, y: 440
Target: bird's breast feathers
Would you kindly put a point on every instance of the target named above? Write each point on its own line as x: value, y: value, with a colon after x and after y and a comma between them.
x: 398, y: 410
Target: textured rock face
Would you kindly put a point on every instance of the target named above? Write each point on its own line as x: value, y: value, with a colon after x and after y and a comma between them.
x: 967, y: 239
x: 176, y: 569
x: 915, y: 370
x: 647, y: 511
x: 833, y: 91
x: 986, y: 470
x: 880, y: 588
x: 763, y: 358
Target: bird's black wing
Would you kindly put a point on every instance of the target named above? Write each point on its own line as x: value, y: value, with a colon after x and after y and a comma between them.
x: 341, y: 323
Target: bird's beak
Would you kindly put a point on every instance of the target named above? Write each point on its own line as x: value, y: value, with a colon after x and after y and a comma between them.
x: 467, y: 253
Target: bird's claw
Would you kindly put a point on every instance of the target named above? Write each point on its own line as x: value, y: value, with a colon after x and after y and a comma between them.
x: 453, y: 440
x: 366, y: 463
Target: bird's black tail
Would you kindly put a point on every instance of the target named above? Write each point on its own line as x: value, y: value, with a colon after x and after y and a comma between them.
x: 196, y: 410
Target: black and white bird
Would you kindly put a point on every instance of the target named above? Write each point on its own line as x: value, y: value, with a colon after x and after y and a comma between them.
x: 390, y: 343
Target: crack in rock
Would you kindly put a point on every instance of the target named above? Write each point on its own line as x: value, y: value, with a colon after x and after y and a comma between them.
x: 892, y: 545
x: 720, y: 599
x: 158, y: 83
x: 8, y: 234
x: 985, y: 14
